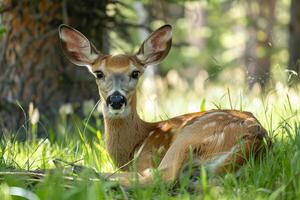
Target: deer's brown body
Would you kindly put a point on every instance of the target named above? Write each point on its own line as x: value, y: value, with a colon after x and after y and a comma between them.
x: 221, y: 139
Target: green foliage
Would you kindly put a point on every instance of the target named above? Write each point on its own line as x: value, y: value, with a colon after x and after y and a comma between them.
x: 77, y: 141
x: 2, y: 31
x: 210, y: 35
x: 274, y: 175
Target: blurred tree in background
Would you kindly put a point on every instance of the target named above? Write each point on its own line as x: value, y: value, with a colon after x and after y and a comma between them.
x: 211, y: 37
x: 32, y: 66
x: 260, y: 17
x: 294, y: 39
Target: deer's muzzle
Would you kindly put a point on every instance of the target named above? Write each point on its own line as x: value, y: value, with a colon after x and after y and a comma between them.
x: 116, y: 101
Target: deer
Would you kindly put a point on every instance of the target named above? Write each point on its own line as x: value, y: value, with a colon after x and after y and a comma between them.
x: 221, y: 139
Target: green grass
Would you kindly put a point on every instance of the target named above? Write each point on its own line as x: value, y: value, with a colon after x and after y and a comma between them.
x: 77, y: 141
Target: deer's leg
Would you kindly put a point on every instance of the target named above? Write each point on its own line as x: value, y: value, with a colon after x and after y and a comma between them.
x: 169, y: 166
x: 177, y: 155
x: 173, y: 160
x: 224, y: 150
x: 236, y: 157
x: 229, y: 146
x: 217, y: 162
x: 171, y: 163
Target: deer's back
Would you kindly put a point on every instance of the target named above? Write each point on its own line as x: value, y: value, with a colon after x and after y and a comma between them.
x: 219, y: 131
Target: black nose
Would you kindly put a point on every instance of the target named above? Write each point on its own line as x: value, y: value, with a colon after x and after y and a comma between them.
x: 116, y: 101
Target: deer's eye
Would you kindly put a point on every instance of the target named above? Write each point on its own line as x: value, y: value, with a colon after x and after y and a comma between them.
x: 99, y: 74
x: 135, y: 74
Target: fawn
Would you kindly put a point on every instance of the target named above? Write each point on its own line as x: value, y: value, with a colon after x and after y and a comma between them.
x: 221, y: 139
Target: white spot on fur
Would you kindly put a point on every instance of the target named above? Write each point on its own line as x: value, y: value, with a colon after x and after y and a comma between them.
x: 218, y: 136
x: 157, y: 136
x: 213, y: 114
x: 151, y: 133
x: 209, y: 125
x: 207, y: 117
x: 219, y: 160
x: 209, y: 139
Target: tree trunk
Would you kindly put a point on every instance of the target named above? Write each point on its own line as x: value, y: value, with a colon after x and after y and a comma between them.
x: 259, y: 43
x: 32, y: 65
x: 294, y: 38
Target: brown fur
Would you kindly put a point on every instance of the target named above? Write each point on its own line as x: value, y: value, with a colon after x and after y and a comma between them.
x: 221, y: 139
x: 117, y: 61
x: 175, y: 136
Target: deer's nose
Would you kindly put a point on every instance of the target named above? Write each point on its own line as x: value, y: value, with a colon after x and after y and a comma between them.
x: 116, y: 101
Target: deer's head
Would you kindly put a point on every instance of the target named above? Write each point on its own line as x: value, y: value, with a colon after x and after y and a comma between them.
x: 116, y: 75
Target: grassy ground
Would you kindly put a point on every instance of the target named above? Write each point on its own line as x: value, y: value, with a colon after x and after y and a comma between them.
x: 74, y: 141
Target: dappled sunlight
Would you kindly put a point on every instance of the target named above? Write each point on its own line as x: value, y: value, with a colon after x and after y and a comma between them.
x: 239, y: 55
x: 158, y: 99
x: 41, y: 155
x: 177, y: 98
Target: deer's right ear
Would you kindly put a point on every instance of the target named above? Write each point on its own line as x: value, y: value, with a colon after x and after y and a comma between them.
x: 156, y: 47
x: 78, y: 49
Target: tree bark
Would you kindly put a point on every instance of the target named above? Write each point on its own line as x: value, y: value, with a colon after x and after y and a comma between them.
x: 294, y: 38
x: 32, y: 66
x: 259, y: 44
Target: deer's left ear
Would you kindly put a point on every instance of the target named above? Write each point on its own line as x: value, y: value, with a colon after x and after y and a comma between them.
x: 78, y: 49
x: 156, y: 47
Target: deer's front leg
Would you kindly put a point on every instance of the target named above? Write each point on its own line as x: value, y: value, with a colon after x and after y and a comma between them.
x: 224, y: 147
x: 168, y: 168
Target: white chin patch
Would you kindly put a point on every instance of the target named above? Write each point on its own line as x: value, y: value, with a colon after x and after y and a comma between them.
x: 124, y: 111
x: 116, y: 112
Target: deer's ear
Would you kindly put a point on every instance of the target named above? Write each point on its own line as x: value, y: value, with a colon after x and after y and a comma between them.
x: 78, y: 49
x: 156, y: 47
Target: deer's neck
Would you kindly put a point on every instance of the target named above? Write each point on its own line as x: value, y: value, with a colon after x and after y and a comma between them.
x: 123, y: 135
